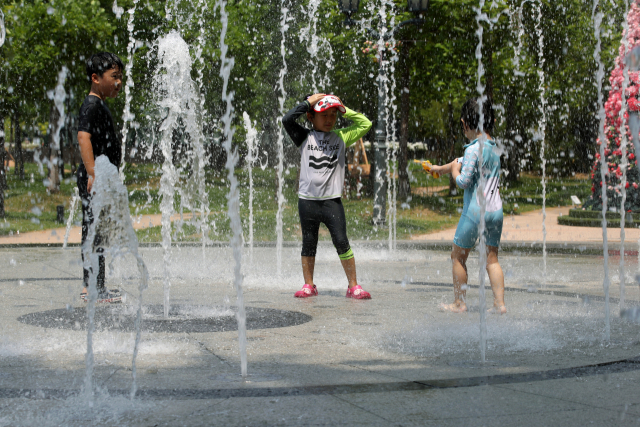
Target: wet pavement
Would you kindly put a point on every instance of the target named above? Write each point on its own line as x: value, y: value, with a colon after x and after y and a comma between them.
x: 327, y: 360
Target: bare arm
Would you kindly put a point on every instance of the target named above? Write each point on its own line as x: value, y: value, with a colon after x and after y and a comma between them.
x: 86, y: 152
x: 445, y: 169
x: 455, y: 169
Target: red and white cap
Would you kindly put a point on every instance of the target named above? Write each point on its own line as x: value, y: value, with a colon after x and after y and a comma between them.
x: 329, y: 101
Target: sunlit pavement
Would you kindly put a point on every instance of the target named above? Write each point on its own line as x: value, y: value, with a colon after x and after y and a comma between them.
x: 527, y: 228
x: 393, y: 360
x: 56, y: 236
x: 524, y: 229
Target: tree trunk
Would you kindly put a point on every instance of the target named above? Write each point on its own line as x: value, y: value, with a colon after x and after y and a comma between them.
x: 3, y: 172
x: 19, y: 159
x: 512, y: 146
x: 63, y: 138
x: 73, y: 144
x: 404, y: 186
x: 488, y: 73
x: 54, y: 153
x: 453, y: 189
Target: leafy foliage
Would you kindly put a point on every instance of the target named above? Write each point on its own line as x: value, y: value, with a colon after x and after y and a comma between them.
x: 43, y: 36
x: 623, y: 99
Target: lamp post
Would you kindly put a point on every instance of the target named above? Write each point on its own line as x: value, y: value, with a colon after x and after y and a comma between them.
x: 349, y: 7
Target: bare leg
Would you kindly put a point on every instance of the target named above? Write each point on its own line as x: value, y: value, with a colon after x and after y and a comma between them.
x: 459, y: 269
x: 308, y: 265
x: 349, y: 266
x: 496, y: 277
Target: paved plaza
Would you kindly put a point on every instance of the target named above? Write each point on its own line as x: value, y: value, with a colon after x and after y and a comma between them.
x: 393, y: 360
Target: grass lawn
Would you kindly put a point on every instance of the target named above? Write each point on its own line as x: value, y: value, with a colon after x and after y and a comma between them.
x: 29, y: 206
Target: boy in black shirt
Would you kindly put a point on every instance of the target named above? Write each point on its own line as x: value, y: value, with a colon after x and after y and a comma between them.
x: 96, y: 137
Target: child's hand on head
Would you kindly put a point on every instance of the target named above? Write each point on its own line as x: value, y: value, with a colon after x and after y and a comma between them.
x: 313, y: 99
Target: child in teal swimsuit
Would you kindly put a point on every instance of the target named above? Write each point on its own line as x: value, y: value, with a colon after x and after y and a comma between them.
x: 480, y: 153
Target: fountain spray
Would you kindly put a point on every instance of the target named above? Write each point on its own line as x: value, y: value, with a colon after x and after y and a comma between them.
x: 58, y: 96
x: 127, y: 115
x: 597, y: 21
x: 382, y: 137
x: 179, y: 101
x: 3, y: 32
x: 72, y: 211
x: 92, y: 263
x: 391, y: 140
x: 284, y: 27
x: 112, y: 219
x: 202, y: 156
x: 252, y: 151
x: 624, y: 164
x: 234, y: 194
x: 482, y: 201
x: 542, y: 134
x: 310, y: 35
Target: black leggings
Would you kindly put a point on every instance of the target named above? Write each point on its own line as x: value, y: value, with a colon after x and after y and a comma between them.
x: 87, y: 220
x: 329, y: 212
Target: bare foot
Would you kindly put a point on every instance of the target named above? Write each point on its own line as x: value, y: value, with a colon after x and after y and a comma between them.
x: 502, y: 309
x: 453, y: 308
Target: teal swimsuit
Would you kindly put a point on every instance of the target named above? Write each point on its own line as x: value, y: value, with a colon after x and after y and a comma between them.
x: 467, y: 231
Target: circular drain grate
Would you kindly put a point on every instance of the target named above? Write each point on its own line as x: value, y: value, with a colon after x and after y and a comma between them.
x: 181, y: 318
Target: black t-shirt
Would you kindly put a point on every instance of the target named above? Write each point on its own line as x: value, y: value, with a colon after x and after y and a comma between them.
x: 95, y: 118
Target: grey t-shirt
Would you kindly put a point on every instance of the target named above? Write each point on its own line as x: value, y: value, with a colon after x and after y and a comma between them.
x: 322, y: 154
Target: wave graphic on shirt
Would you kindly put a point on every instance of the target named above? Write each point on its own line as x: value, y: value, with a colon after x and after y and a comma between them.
x: 323, y: 162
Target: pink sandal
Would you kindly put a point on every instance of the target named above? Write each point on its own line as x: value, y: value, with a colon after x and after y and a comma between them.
x: 358, y: 293
x: 307, y: 291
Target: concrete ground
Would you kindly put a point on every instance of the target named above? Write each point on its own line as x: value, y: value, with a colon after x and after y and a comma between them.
x: 393, y: 360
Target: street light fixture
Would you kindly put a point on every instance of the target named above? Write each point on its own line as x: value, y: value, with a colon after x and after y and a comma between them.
x: 349, y: 7
x: 418, y: 6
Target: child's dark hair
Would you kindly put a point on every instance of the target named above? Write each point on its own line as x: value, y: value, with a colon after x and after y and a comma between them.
x: 471, y: 114
x: 101, y: 62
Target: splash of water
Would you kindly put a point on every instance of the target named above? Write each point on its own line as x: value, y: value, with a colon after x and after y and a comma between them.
x: 117, y: 10
x: 72, y: 211
x: 252, y: 152
x: 234, y: 194
x: 167, y: 191
x: 202, y: 156
x: 391, y: 109
x: 380, y: 183
x: 59, y: 95
x: 624, y: 164
x: 127, y: 115
x: 542, y: 134
x: 597, y: 21
x: 110, y: 204
x: 309, y: 34
x: 482, y: 201
x: 284, y: 27
x: 179, y: 101
x: 2, y: 29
